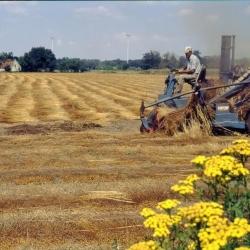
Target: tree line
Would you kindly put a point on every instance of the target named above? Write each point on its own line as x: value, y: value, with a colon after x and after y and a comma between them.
x: 41, y: 59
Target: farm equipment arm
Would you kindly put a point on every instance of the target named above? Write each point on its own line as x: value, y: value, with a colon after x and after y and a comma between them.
x: 231, y: 92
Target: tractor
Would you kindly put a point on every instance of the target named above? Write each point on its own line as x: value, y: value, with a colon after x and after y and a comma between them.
x: 227, y: 116
x: 170, y: 86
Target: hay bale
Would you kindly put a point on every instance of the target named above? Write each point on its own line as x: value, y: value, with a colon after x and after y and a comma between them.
x: 180, y: 119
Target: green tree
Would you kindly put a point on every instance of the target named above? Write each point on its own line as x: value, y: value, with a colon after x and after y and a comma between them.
x: 6, y: 55
x: 66, y: 64
x: 91, y: 63
x: 169, y: 60
x: 38, y: 59
x: 75, y: 64
x: 165, y: 60
x: 173, y: 62
x: 137, y: 63
x: 151, y: 60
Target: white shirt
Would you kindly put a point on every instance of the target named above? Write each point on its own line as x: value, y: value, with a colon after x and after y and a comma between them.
x: 193, y: 63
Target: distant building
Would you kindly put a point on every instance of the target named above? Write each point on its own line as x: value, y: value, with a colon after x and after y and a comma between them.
x: 11, y: 65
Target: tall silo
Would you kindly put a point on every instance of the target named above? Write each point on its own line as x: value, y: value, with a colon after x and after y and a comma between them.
x: 227, y: 56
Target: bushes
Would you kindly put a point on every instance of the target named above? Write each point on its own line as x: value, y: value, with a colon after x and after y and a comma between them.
x: 218, y: 220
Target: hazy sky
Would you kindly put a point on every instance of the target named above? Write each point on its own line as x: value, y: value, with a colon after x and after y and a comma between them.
x: 96, y: 29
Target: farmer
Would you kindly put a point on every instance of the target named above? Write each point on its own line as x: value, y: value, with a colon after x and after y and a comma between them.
x: 191, y: 70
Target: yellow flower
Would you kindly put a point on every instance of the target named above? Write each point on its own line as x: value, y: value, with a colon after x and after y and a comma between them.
x: 220, y: 230
x: 199, y: 160
x: 147, y: 212
x: 238, y: 148
x: 205, y: 219
x: 183, y: 189
x: 224, y: 168
x: 145, y: 245
x: 192, y: 178
x: 186, y: 186
x: 161, y: 224
x: 168, y: 204
x: 240, y: 141
x: 239, y: 228
x: 200, y: 212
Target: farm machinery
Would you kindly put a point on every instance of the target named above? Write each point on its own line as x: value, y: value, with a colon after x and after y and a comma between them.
x: 227, y: 112
x: 225, y: 108
x: 170, y: 86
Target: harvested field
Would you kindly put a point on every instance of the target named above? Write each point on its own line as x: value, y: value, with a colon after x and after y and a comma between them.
x: 74, y: 170
x: 86, y: 97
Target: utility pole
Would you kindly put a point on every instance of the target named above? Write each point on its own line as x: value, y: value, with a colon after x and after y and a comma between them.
x: 128, y: 37
x: 52, y: 43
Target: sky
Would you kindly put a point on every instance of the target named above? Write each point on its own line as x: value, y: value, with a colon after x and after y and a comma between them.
x: 97, y: 29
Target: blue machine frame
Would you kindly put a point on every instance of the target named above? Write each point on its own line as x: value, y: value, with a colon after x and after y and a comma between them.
x: 225, y: 117
x: 169, y: 91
